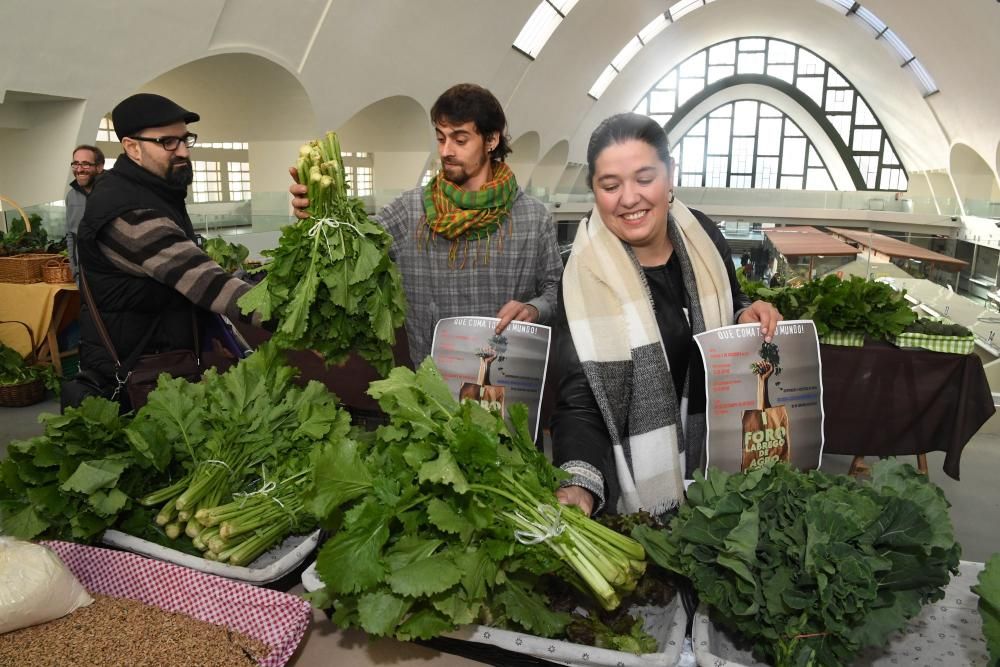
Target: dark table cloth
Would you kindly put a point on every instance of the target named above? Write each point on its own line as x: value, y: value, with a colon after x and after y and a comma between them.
x: 880, y: 400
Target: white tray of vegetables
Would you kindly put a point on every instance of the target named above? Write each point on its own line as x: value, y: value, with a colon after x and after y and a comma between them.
x: 268, y: 567
x: 665, y: 624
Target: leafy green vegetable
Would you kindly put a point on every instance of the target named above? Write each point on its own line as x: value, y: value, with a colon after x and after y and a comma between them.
x: 330, y: 283
x: 856, y: 305
x: 449, y: 515
x: 18, y: 240
x: 230, y: 256
x: 933, y: 327
x: 988, y: 590
x: 811, y: 567
x: 238, y: 446
x: 73, y: 481
x: 15, y: 370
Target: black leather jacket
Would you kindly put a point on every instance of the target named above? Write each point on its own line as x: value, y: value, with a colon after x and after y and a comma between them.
x: 578, y: 429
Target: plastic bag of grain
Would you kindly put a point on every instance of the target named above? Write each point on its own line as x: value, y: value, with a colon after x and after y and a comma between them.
x: 35, y: 586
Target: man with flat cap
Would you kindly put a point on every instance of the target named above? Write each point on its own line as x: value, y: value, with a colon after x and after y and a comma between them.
x: 149, y: 280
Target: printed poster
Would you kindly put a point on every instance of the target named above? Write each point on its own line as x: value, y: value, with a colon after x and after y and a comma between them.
x: 764, y: 400
x: 496, y: 370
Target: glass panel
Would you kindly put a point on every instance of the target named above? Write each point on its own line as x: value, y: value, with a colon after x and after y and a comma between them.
x: 699, y: 129
x: 814, y: 160
x: 818, y: 179
x: 689, y: 88
x: 725, y: 111
x: 892, y: 179
x: 888, y: 155
x: 767, y: 111
x: 694, y: 154
x: 661, y: 119
x: 718, y: 136
x: 863, y: 115
x: 626, y: 54
x: 839, y: 100
x: 868, y: 164
x: 642, y: 107
x: 867, y: 140
x: 716, y: 172
x: 742, y: 156
x: 767, y: 172
x: 809, y: 63
x: 691, y: 180
x: 669, y: 81
x: 663, y: 101
x: 603, y: 81
x: 793, y: 156
x: 834, y: 80
x: 751, y: 63
x: 791, y: 182
x: 693, y: 66
x: 722, y: 54
x: 653, y: 28
x: 791, y: 129
x: 784, y: 72
x: 745, y: 118
x: 780, y: 52
x: 842, y: 124
x: 740, y: 182
x: 537, y: 30
x: 811, y: 86
x: 752, y: 44
x: 769, y: 136
x: 716, y: 72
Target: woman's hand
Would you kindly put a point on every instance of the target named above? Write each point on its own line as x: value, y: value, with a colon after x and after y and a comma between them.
x: 298, y: 192
x: 576, y: 495
x: 764, y: 313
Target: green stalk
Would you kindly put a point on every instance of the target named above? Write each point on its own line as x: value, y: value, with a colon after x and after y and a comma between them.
x: 166, y: 493
x: 253, y: 547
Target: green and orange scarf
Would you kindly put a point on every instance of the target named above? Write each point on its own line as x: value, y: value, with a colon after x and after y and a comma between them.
x: 460, y: 216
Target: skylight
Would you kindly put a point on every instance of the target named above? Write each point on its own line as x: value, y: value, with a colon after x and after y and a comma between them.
x: 540, y: 26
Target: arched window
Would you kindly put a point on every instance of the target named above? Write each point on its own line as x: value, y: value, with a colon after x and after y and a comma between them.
x: 749, y: 144
x: 815, y: 84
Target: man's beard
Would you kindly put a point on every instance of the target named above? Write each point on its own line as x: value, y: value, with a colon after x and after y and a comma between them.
x: 179, y: 173
x: 463, y: 173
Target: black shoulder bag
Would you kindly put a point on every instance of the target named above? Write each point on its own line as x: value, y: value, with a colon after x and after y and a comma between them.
x: 137, y: 376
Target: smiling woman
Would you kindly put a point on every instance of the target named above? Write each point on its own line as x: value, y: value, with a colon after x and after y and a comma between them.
x: 646, y: 273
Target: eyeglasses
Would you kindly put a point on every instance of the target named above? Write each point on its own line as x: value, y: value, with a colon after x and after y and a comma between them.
x: 82, y: 165
x: 171, y: 143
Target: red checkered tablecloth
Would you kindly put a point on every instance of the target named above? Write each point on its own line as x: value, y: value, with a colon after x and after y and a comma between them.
x: 274, y: 618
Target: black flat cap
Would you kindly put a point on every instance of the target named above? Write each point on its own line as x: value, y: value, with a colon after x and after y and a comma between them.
x: 147, y: 110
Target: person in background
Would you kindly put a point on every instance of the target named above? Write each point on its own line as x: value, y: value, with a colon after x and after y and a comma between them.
x: 87, y: 166
x: 136, y: 244
x: 645, y: 275
x: 470, y: 242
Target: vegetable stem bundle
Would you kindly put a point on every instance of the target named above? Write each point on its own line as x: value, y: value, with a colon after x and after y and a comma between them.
x: 330, y: 283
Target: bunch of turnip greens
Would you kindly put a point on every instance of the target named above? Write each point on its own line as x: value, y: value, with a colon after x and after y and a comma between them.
x: 238, y: 445
x: 988, y: 590
x: 330, y: 283
x: 811, y: 567
x: 73, y: 481
x: 448, y: 516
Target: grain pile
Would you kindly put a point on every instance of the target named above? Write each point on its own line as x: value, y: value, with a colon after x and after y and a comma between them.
x: 119, y: 631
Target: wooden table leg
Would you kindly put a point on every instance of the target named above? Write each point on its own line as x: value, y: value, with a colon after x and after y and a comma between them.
x: 857, y: 466
x: 922, y: 463
x: 51, y: 342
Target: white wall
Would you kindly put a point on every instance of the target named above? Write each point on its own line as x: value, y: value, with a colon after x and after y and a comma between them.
x: 269, y: 177
x: 396, y: 172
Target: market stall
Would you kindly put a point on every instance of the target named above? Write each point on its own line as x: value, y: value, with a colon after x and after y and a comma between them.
x: 46, y: 308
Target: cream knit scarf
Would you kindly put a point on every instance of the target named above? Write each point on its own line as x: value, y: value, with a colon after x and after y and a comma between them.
x: 611, y: 320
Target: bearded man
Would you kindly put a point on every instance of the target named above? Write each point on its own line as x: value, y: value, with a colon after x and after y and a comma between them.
x: 470, y: 242
x: 138, y: 256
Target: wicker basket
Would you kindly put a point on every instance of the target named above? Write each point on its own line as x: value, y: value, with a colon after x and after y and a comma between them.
x: 57, y: 271
x: 24, y: 393
x: 27, y: 268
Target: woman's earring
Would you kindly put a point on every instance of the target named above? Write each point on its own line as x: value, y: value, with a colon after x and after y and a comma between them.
x: 672, y: 197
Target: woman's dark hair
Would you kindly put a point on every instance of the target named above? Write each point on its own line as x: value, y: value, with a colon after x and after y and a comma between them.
x: 467, y: 102
x: 624, y: 127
